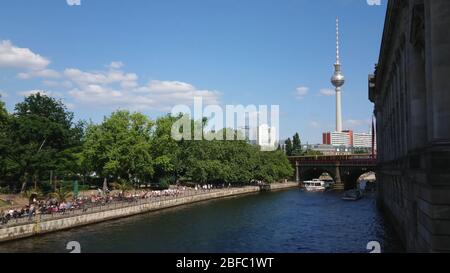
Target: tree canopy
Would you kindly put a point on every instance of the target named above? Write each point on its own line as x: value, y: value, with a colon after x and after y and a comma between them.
x: 119, y: 148
x: 294, y: 147
x: 40, y: 141
x: 40, y: 135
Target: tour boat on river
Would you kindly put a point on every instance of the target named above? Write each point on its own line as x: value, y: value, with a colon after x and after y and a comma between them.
x: 315, y: 185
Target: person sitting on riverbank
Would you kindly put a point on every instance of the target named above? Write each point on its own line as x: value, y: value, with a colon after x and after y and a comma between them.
x: 52, y: 206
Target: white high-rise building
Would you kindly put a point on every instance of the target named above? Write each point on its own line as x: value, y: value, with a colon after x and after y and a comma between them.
x: 341, y: 139
x: 362, y: 140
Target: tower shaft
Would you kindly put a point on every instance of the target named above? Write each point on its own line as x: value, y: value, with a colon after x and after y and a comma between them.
x: 338, y: 110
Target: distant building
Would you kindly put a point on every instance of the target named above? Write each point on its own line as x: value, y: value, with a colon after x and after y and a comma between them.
x: 329, y: 149
x: 348, y: 139
x: 363, y: 140
x: 344, y: 138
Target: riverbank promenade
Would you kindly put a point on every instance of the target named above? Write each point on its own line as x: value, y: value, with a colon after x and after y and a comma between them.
x: 99, y: 212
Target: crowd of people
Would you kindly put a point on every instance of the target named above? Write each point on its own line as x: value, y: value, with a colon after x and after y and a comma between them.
x: 51, y: 206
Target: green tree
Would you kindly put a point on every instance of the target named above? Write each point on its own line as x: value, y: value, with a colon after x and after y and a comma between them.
x: 39, y: 133
x: 312, y: 153
x: 361, y: 151
x: 289, y: 147
x: 296, y: 145
x: 3, y: 114
x: 273, y: 167
x: 3, y: 138
x: 234, y: 162
x: 165, y: 150
x: 120, y: 147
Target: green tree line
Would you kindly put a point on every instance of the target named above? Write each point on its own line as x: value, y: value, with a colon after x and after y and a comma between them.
x: 294, y: 147
x: 40, y: 144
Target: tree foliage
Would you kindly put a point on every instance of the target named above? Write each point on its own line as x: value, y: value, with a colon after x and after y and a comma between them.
x: 3, y: 136
x: 289, y: 148
x: 120, y: 147
x: 40, y: 139
x: 296, y: 145
x: 40, y: 135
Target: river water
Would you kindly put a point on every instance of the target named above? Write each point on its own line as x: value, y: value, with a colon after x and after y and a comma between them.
x: 290, y: 221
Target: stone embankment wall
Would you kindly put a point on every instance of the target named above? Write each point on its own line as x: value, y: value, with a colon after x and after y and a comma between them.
x: 37, y: 227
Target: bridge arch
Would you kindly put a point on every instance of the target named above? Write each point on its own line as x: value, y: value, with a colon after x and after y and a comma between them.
x: 351, y: 175
x: 309, y: 173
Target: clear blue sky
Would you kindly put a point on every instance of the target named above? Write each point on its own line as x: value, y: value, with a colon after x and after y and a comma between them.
x: 151, y: 54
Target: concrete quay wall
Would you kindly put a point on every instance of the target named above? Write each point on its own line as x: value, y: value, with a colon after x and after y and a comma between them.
x: 37, y: 227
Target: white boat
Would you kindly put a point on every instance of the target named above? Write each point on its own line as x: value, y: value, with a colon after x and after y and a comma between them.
x: 315, y: 185
x: 328, y: 184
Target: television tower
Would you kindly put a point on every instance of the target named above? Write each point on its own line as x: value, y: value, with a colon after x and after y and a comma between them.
x: 338, y: 81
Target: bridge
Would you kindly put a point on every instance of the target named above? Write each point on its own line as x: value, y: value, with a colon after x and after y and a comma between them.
x: 344, y: 169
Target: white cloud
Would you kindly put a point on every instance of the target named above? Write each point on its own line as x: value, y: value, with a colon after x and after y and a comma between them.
x: 115, y: 65
x: 42, y: 92
x: 327, y: 92
x: 181, y: 92
x: 23, y: 58
x: 104, y: 96
x: 113, y: 76
x: 119, y: 89
x: 112, y: 87
x: 170, y: 86
x: 301, y: 92
x: 16, y: 57
x: 45, y: 73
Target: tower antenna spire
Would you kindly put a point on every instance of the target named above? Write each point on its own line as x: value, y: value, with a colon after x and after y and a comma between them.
x: 337, y: 41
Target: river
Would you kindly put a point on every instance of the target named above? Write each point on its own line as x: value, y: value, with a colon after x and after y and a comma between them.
x: 289, y: 221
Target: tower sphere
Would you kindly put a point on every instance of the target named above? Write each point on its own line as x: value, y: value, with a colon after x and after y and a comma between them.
x: 338, y: 78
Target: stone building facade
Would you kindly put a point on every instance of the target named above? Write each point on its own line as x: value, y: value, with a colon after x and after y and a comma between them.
x: 411, y: 93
